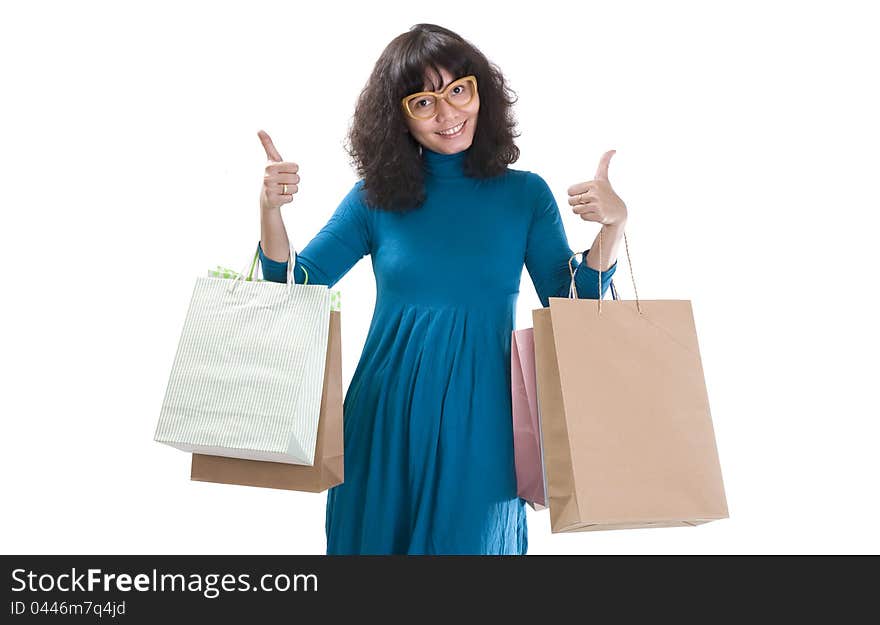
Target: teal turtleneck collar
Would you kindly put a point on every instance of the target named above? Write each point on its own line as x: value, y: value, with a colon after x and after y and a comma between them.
x: 439, y: 165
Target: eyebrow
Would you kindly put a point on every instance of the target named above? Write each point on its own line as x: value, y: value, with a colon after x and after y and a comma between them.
x: 442, y: 85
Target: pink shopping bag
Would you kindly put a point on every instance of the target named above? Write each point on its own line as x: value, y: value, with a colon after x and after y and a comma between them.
x: 526, y: 426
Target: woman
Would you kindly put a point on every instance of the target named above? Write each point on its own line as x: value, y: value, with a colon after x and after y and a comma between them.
x: 429, y: 463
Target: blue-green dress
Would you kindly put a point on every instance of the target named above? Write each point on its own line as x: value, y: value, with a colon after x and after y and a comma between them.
x: 428, y: 436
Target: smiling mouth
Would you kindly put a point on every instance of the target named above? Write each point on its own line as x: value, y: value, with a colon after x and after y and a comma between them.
x: 455, y: 134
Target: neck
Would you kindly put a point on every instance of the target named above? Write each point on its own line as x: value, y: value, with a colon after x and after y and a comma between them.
x: 440, y: 165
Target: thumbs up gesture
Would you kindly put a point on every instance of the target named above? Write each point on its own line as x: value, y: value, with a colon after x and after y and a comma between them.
x: 281, y: 180
x: 596, y: 200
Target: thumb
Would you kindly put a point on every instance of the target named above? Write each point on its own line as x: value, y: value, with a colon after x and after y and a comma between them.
x: 271, y: 152
x: 602, y: 170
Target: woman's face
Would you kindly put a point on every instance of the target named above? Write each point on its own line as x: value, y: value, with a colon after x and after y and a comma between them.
x: 426, y: 131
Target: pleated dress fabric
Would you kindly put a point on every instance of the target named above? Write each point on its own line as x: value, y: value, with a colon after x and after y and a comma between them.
x: 429, y: 465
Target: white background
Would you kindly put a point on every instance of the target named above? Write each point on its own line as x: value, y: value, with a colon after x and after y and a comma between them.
x: 747, y: 154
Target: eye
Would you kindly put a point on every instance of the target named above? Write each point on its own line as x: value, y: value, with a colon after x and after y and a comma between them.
x: 458, y: 87
x: 419, y: 103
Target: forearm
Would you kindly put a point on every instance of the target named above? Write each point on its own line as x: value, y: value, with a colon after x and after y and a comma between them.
x: 611, y: 237
x: 273, y: 235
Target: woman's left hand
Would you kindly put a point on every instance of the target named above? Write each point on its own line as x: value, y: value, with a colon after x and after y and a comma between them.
x: 596, y: 200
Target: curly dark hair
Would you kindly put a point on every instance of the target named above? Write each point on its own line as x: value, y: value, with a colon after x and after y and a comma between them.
x: 386, y: 155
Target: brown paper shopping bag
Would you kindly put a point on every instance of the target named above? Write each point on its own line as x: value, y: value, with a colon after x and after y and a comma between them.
x: 327, y: 469
x: 627, y: 434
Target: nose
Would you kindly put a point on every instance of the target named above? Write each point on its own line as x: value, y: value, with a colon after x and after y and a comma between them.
x: 445, y: 112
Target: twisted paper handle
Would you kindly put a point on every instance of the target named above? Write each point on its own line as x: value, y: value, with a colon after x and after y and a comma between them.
x: 572, y: 291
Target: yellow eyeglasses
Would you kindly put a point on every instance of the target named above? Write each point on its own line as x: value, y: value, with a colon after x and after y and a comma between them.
x: 423, y: 105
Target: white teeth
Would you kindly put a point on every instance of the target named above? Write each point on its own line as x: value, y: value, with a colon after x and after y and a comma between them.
x: 452, y: 131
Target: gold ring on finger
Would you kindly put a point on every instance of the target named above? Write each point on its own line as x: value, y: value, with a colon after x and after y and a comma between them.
x: 284, y: 189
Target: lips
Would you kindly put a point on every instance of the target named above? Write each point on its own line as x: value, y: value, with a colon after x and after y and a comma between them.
x: 460, y: 129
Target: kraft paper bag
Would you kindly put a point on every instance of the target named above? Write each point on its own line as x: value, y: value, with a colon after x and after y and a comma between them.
x: 627, y: 433
x: 327, y: 469
x: 526, y: 428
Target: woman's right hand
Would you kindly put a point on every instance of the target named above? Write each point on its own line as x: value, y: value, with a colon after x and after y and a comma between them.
x: 278, y: 173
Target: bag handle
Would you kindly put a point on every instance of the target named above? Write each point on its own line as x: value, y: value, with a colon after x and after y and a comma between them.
x: 291, y: 263
x: 572, y: 289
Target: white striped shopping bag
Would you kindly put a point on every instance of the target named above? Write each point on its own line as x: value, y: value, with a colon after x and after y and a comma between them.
x: 248, y: 375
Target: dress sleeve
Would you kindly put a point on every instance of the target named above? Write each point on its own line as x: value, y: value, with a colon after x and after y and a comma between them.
x: 344, y: 240
x: 548, y: 251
